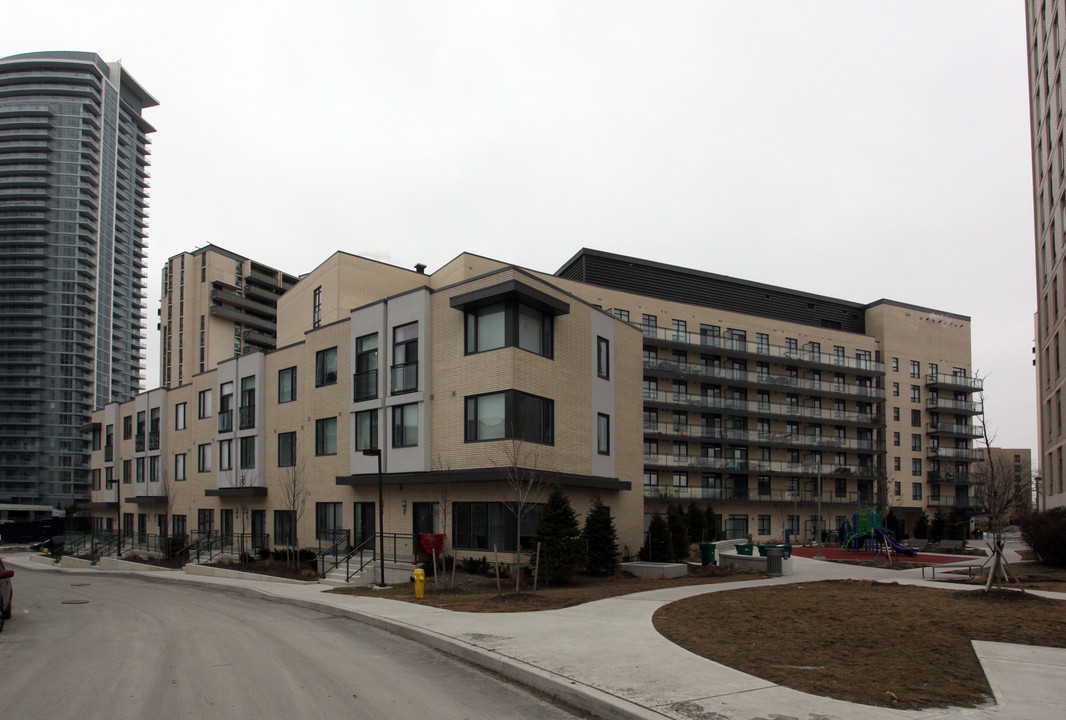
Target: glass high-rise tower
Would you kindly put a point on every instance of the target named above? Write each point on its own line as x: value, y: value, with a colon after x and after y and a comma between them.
x: 74, y: 156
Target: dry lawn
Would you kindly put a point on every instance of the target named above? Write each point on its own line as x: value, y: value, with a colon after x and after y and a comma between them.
x: 872, y: 643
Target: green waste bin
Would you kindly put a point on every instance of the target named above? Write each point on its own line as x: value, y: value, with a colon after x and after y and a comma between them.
x: 744, y: 548
x: 707, y: 553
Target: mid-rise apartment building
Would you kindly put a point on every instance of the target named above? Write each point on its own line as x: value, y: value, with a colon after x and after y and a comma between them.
x: 1046, y: 38
x: 644, y: 383
x: 74, y: 157
x: 215, y: 305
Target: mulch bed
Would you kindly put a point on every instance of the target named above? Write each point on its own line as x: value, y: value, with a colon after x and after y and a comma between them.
x: 835, y: 553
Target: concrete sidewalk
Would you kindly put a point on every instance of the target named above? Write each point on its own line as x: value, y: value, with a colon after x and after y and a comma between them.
x: 607, y: 657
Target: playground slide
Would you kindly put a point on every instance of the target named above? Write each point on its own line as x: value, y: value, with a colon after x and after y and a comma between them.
x: 901, y: 549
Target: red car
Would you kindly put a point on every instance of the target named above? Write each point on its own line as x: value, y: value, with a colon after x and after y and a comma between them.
x: 5, y: 594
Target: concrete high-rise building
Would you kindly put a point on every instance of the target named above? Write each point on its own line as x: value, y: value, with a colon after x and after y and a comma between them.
x: 73, y: 221
x: 1046, y: 42
x: 215, y: 305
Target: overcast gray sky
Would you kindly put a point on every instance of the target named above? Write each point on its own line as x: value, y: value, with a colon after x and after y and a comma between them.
x: 854, y: 149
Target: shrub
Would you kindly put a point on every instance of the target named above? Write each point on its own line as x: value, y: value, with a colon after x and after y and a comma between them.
x: 601, y: 539
x: 1045, y: 534
x: 937, y: 526
x: 679, y: 541
x: 696, y: 522
x: 561, y: 550
x: 657, y: 546
x: 263, y: 553
x: 477, y: 566
x: 921, y: 527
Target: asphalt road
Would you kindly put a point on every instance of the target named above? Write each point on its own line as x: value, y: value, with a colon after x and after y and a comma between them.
x: 113, y: 647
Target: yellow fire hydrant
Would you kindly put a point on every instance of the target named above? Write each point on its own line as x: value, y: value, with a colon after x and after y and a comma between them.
x: 420, y: 584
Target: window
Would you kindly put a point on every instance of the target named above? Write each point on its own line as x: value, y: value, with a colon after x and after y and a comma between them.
x: 896, y: 463
x: 603, y: 434
x: 764, y: 524
x: 204, y: 404
x: 225, y: 407
x: 897, y: 488
x: 366, y: 430
x: 326, y: 367
x: 287, y: 449
x: 225, y: 455
x: 284, y: 526
x: 326, y: 436
x: 405, y: 358
x: 621, y: 314
x: 895, y: 414
x: 916, y: 369
x: 153, y: 468
x: 247, y: 450
x: 485, y: 525
x: 680, y: 328
x: 96, y: 478
x: 603, y: 358
x: 127, y: 472
x: 179, y: 467
x: 762, y: 343
x: 127, y: 427
x: 510, y: 414
x: 791, y: 346
x: 650, y: 324
x: 286, y: 385
x: 179, y: 416
x: 139, y: 466
x: 366, y: 367
x: 246, y: 412
x: 895, y: 389
x: 710, y: 335
x: 916, y: 393
x: 203, y: 458
x: 316, y: 307
x: 916, y: 418
x: 328, y: 520
x: 179, y: 526
x: 916, y: 467
x: 916, y: 491
x: 405, y: 425
x: 205, y: 520
x: 895, y: 364
x: 916, y: 443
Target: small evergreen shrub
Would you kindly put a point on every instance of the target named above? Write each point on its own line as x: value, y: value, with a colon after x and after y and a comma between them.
x: 1045, y: 534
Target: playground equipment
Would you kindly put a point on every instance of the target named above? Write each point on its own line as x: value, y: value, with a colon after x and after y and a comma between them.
x: 867, y: 532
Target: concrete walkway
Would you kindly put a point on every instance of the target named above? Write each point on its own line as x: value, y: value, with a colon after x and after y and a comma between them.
x: 607, y: 657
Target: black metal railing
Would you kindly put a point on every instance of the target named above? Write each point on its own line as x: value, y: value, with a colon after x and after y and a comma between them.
x: 333, y: 547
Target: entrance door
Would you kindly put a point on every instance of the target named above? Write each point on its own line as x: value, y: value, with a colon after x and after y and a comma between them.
x: 226, y: 528
x: 259, y: 522
x: 363, y: 514
x: 142, y: 528
x: 426, y: 517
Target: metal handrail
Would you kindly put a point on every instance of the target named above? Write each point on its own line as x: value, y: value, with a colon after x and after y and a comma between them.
x: 360, y: 550
x: 334, y: 549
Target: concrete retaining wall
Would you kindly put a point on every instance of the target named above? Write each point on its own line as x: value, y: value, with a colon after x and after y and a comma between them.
x: 239, y: 574
x: 753, y: 561
x: 110, y: 563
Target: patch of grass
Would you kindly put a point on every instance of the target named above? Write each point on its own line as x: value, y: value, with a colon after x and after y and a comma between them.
x: 473, y: 593
x: 1031, y: 576
x: 873, y: 643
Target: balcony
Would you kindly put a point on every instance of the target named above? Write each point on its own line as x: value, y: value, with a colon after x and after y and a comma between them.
x: 138, y: 443
x: 153, y: 441
x: 763, y: 380
x: 225, y: 421
x: 961, y: 407
x: 954, y: 430
x: 805, y: 497
x: 953, y: 382
x: 246, y: 417
x: 963, y: 502
x: 365, y: 385
x: 961, y: 454
x: 944, y: 477
x: 755, y: 437
x: 745, y: 348
x: 109, y: 453
x: 748, y: 466
x: 764, y: 409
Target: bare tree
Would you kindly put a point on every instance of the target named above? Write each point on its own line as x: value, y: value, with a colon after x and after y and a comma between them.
x: 443, y: 494
x: 1001, y: 490
x: 168, y: 491
x: 294, y: 488
x: 525, y: 486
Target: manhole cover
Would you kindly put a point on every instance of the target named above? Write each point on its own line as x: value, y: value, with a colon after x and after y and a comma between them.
x: 80, y: 584
x: 75, y: 602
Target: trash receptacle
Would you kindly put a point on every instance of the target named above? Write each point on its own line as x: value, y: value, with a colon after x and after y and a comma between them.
x: 707, y: 553
x: 744, y: 548
x: 773, y: 561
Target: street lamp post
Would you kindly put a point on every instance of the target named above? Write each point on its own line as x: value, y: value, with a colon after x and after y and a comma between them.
x: 376, y: 452
x: 818, y: 524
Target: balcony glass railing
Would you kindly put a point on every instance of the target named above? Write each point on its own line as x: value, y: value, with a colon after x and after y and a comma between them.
x: 365, y: 385
x: 784, y: 382
x: 776, y: 495
x: 965, y: 382
x: 954, y: 429
x: 746, y: 347
x: 755, y: 437
x: 958, y: 406
x: 950, y: 453
x: 405, y: 377
x: 246, y: 417
x: 749, y: 466
x: 768, y: 409
x: 225, y: 421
